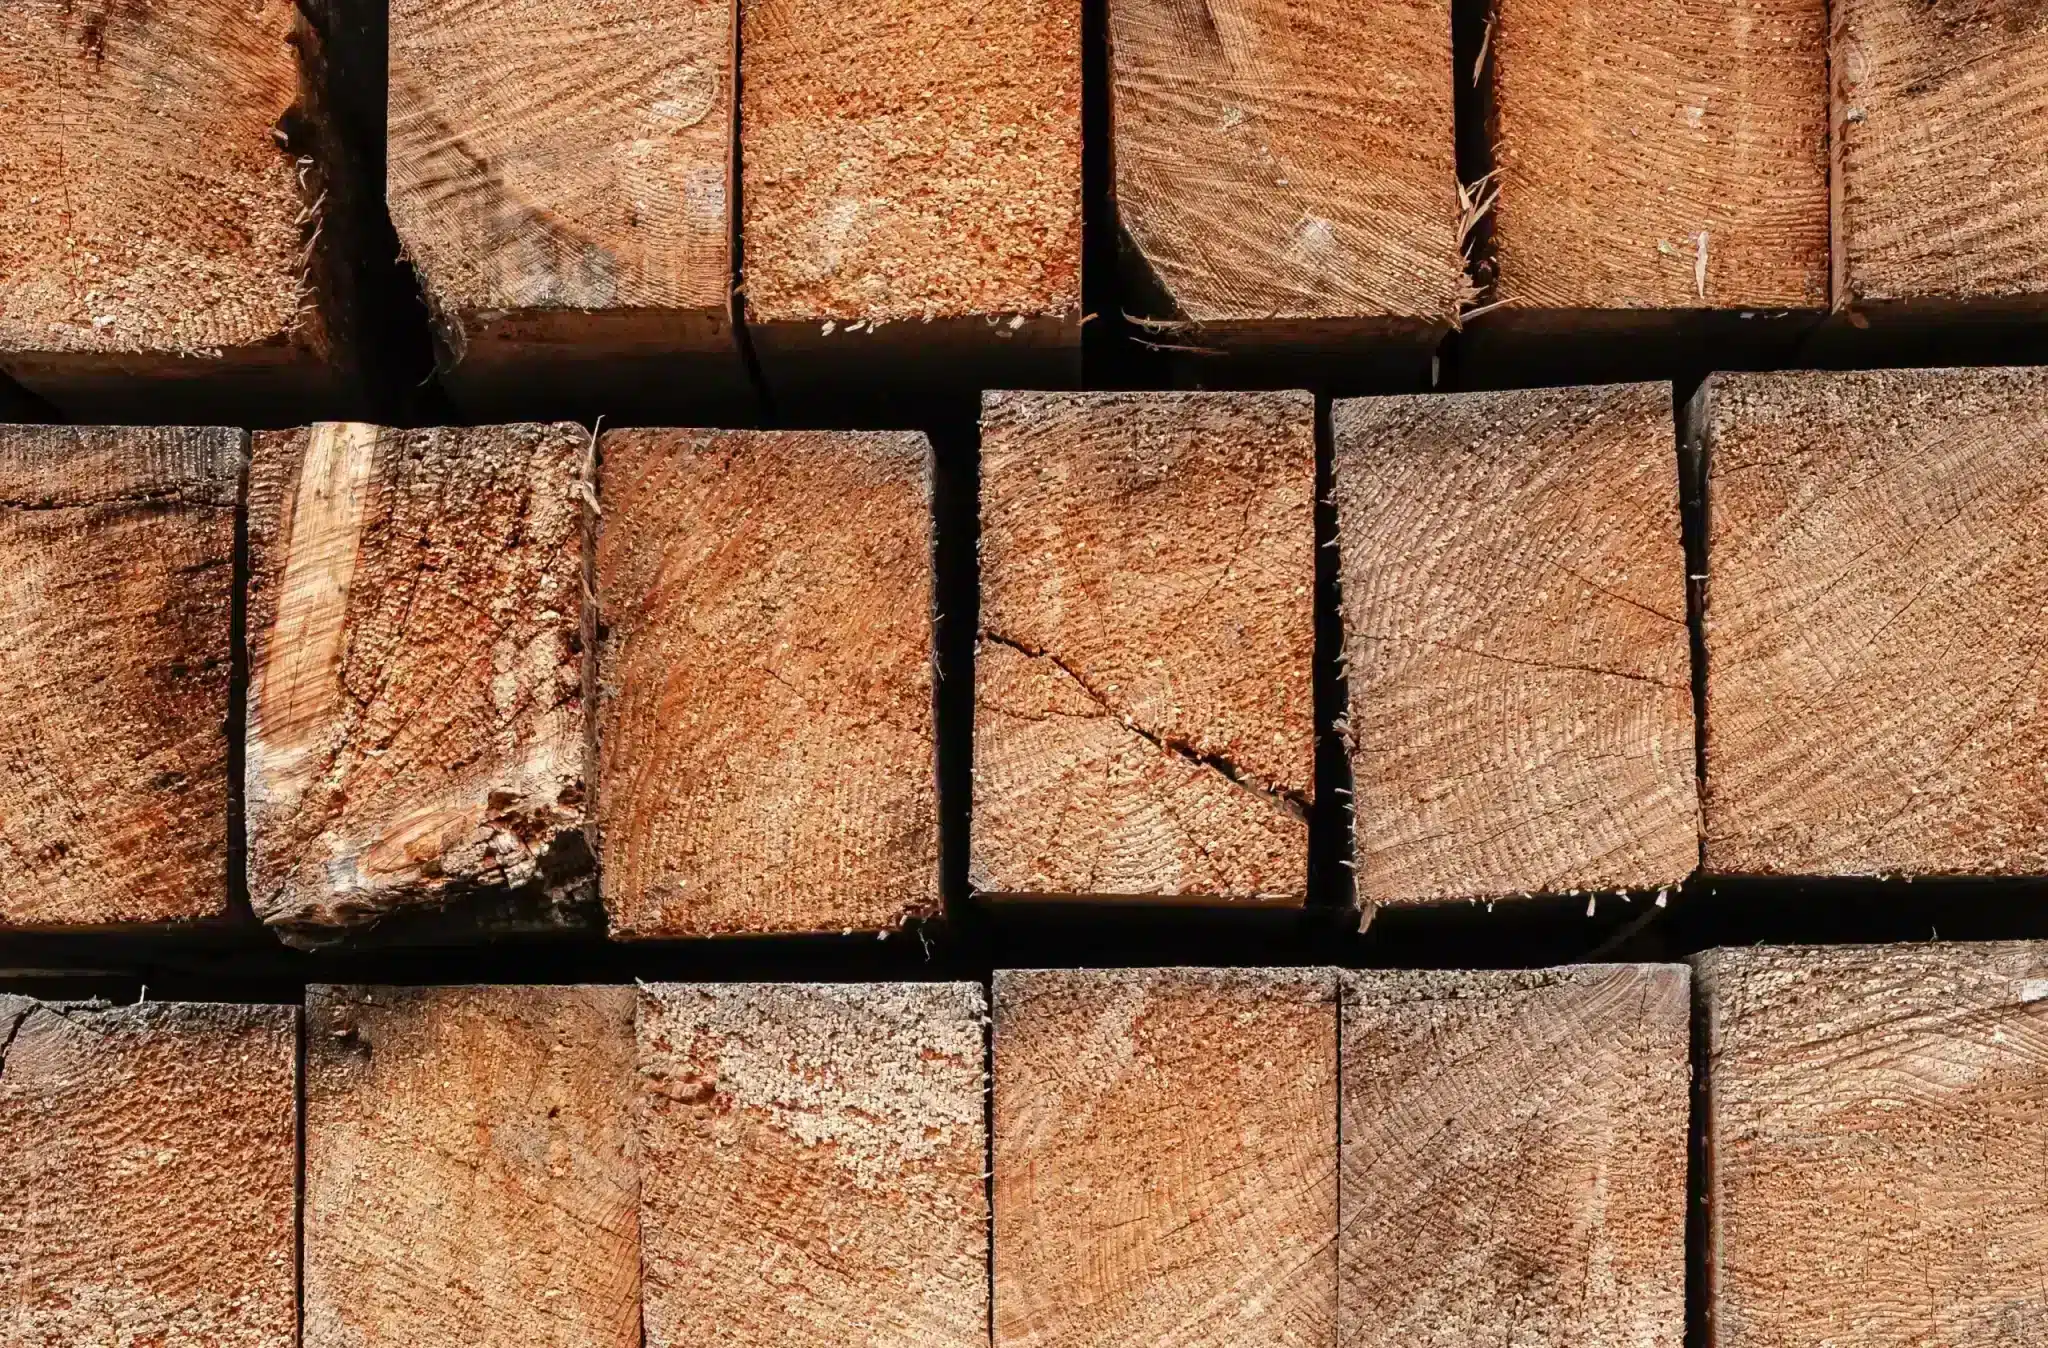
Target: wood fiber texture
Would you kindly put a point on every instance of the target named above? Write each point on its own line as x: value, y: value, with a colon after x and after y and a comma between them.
x: 1874, y: 621
x: 767, y: 760
x: 1144, y: 719
x: 1515, y: 637
x: 417, y: 732
x: 910, y: 162
x: 558, y: 171
x: 1284, y: 160
x: 1165, y: 1158
x: 1514, y: 1163
x: 813, y: 1165
x: 1941, y: 123
x: 471, y: 1174
x: 148, y: 1179
x: 116, y: 599
x: 148, y: 203
x: 1874, y: 1146
x: 1668, y: 156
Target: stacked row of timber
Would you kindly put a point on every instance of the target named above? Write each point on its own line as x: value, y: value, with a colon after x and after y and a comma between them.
x: 191, y: 208
x: 1192, y: 1156
x: 686, y: 678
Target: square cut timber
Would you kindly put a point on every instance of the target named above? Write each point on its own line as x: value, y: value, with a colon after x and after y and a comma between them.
x: 149, y: 1177
x: 184, y: 229
x: 558, y: 174
x: 1658, y: 182
x: 116, y: 643
x: 1873, y: 1145
x: 1515, y: 1154
x: 912, y: 193
x: 417, y: 723
x: 813, y: 1165
x: 1514, y: 613
x: 471, y: 1178
x: 767, y: 760
x: 1166, y: 1158
x: 1873, y: 621
x: 1941, y: 169
x: 1143, y: 705
x: 1287, y: 186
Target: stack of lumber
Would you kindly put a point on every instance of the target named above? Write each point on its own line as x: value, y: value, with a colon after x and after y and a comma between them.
x: 1197, y: 1156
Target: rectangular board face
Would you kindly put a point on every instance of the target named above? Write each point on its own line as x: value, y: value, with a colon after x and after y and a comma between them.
x: 1659, y: 157
x: 558, y: 178
x: 766, y: 739
x: 148, y: 208
x: 1144, y: 721
x: 1941, y: 125
x: 1515, y: 639
x: 1285, y: 162
x: 812, y: 1165
x: 148, y: 1189
x: 470, y: 1169
x: 1874, y: 1145
x: 1515, y: 1154
x: 417, y: 728
x: 910, y: 164
x: 1873, y: 622
x: 117, y: 550
x: 1165, y: 1158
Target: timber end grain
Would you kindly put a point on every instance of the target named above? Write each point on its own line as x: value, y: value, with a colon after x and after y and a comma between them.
x: 1144, y: 722
x: 910, y: 165
x: 417, y: 729
x: 1301, y: 168
x: 767, y: 757
x: 1873, y: 621
x: 1659, y: 157
x: 1165, y: 1158
x: 1515, y: 1153
x: 471, y: 1175
x: 164, y: 173
x: 1941, y: 123
x: 148, y: 1175
x: 1516, y: 644
x: 116, y: 599
x: 558, y: 177
x: 813, y: 1165
x: 1873, y: 1145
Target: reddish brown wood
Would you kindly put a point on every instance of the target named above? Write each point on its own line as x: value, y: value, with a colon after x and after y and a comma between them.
x: 766, y: 748
x: 148, y: 1159
x: 116, y: 593
x: 813, y: 1165
x: 470, y: 1171
x: 1144, y: 721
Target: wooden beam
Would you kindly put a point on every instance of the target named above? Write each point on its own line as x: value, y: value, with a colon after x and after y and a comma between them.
x: 1874, y: 1172
x: 148, y: 1186
x: 470, y: 1174
x: 1872, y: 622
x: 1165, y: 1157
x: 175, y: 201
x: 1515, y: 636
x: 1286, y: 184
x: 912, y: 192
x: 812, y: 1160
x: 766, y: 745
x: 1515, y: 1155
x: 417, y: 730
x: 1661, y: 174
x: 1941, y: 143
x: 116, y: 629
x: 558, y: 176
x: 1144, y: 721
